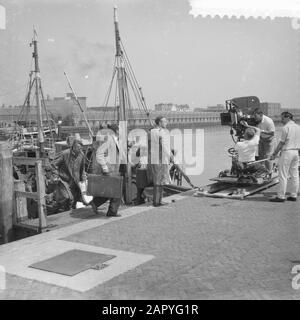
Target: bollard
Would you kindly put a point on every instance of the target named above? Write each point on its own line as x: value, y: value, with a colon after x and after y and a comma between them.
x: 6, y: 193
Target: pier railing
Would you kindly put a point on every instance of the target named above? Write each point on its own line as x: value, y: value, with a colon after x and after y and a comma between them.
x: 20, y: 212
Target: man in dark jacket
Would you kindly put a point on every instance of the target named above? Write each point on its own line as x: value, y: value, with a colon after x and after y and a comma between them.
x: 69, y: 167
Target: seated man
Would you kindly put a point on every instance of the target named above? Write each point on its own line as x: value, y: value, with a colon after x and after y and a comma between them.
x: 247, y: 150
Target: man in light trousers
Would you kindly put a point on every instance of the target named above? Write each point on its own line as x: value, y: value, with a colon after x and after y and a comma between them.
x: 288, y: 162
x: 267, y: 137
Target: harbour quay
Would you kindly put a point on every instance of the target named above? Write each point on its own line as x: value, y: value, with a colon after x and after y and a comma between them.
x: 193, y: 248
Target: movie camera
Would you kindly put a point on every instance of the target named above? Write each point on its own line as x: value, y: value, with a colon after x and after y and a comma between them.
x: 239, y: 110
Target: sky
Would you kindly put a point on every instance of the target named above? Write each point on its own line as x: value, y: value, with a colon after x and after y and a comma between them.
x: 176, y: 57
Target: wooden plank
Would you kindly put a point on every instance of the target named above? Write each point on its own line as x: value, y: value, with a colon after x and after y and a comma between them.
x: 40, y: 182
x: 228, y: 192
x: 225, y: 179
x: 263, y: 187
x: 175, y: 188
x: 215, y: 187
x: 219, y: 195
x: 23, y: 225
x: 25, y: 194
x: 20, y: 205
x: 24, y: 161
x: 28, y: 161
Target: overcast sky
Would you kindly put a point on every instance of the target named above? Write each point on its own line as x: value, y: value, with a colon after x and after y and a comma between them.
x: 176, y: 57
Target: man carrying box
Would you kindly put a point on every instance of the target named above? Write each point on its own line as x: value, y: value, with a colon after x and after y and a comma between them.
x: 107, y: 163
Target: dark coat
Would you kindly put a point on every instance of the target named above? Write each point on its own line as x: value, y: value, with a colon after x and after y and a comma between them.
x: 69, y: 167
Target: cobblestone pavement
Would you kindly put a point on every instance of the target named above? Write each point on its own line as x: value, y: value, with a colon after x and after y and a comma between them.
x: 204, y: 248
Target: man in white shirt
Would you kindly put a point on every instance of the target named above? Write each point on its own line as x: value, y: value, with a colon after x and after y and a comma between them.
x: 247, y: 149
x: 267, y: 136
x: 288, y: 162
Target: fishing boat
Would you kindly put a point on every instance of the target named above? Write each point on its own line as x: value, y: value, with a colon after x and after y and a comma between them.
x: 36, y: 136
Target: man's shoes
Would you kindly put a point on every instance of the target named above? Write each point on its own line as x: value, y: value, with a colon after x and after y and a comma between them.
x: 73, y: 206
x: 139, y: 201
x: 112, y: 214
x: 277, y: 200
x: 160, y: 204
x: 94, y: 207
x: 291, y: 198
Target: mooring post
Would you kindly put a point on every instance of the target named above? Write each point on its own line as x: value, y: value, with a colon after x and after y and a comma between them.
x: 6, y: 193
x: 40, y: 181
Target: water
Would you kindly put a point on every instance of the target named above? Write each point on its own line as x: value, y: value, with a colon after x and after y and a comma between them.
x: 217, y: 140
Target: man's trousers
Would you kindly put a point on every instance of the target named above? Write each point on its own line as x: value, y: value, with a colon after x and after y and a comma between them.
x: 288, y: 167
x: 265, y: 150
x: 114, y: 204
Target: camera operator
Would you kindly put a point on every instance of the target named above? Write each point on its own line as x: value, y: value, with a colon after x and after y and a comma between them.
x: 267, y: 136
x: 247, y: 149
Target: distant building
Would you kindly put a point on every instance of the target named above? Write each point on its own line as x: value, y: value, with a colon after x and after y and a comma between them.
x: 271, y: 109
x: 58, y: 107
x: 183, y: 107
x: 65, y: 106
x: 9, y: 115
x: 102, y: 109
x: 198, y: 109
x: 165, y: 107
x: 168, y: 107
x: 217, y: 108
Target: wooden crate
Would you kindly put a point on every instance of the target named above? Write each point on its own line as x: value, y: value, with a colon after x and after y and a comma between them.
x: 105, y: 186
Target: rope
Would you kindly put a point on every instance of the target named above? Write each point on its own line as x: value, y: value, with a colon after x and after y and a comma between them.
x: 47, y: 115
x: 135, y: 85
x: 110, y: 85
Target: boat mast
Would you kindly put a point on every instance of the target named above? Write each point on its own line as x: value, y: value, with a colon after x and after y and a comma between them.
x: 120, y: 71
x: 27, y: 102
x: 121, y: 105
x: 37, y: 81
